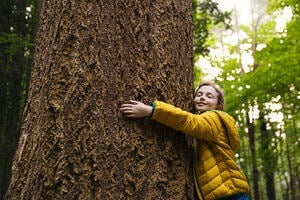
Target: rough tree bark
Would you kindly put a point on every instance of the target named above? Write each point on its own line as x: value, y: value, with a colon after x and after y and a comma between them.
x: 91, y: 56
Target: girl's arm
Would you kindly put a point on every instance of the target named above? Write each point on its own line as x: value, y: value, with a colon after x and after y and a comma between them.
x: 204, y: 126
x: 136, y: 109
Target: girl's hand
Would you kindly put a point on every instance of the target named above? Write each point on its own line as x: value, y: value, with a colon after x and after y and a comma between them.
x: 136, y: 109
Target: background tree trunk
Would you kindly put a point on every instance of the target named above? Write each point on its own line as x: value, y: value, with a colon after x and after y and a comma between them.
x: 91, y: 57
x: 268, y: 156
x: 255, y: 172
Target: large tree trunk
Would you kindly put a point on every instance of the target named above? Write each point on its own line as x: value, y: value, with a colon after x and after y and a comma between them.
x: 91, y: 57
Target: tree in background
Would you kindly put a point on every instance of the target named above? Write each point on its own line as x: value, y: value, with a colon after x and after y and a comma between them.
x: 17, y: 22
x: 91, y: 57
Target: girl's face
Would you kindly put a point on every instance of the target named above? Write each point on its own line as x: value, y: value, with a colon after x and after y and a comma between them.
x: 206, y: 99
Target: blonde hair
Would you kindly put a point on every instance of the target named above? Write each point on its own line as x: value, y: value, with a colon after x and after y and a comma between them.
x: 218, y: 90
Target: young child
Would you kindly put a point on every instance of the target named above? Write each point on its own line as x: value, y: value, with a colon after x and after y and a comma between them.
x: 216, y: 174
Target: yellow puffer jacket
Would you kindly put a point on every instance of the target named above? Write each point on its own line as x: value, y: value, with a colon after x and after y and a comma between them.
x: 216, y: 139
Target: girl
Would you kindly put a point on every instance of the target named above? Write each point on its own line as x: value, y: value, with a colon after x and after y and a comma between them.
x: 216, y: 174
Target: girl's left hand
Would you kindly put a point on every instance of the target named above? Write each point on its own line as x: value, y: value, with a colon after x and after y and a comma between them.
x: 136, y: 109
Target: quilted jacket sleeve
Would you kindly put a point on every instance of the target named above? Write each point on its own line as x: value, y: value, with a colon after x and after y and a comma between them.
x: 204, y: 126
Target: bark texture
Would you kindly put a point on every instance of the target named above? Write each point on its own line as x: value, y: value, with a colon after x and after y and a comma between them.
x: 92, y: 56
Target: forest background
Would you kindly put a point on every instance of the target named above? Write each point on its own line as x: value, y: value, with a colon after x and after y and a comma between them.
x: 259, y: 71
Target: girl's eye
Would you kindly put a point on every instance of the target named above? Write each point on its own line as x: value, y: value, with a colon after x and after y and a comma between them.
x: 199, y: 95
x: 210, y: 96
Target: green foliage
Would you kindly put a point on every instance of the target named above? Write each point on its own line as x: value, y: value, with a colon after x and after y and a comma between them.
x: 229, y: 81
x: 275, y: 5
x: 279, y: 62
x: 11, y: 43
x: 266, y: 32
x: 198, y: 75
x: 206, y: 14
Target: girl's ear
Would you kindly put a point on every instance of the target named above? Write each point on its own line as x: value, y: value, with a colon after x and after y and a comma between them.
x: 220, y: 107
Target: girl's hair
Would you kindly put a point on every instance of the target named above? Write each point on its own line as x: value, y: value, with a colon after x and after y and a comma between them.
x: 218, y: 90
